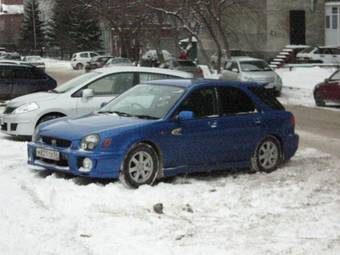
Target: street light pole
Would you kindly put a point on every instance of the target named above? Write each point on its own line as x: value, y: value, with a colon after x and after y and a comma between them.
x: 34, y: 26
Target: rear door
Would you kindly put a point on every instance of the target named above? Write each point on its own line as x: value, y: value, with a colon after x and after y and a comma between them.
x: 239, y: 125
x: 6, y: 82
x: 104, y: 89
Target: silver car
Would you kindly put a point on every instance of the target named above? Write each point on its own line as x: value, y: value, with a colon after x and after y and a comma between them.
x: 79, y: 96
x: 252, y: 69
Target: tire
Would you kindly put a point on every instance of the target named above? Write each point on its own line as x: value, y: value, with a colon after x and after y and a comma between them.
x: 49, y: 117
x: 318, y: 101
x: 140, y: 166
x: 79, y: 66
x: 267, y: 155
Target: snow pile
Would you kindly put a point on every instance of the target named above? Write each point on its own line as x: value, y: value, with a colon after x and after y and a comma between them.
x: 298, y: 84
x: 11, y: 9
x: 294, y: 210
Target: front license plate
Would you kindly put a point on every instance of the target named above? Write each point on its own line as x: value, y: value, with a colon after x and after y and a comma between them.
x: 48, y: 154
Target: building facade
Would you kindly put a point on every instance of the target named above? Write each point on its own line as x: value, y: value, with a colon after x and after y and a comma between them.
x: 11, y: 16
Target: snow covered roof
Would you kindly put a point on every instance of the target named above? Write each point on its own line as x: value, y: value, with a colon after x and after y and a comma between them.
x: 11, y: 9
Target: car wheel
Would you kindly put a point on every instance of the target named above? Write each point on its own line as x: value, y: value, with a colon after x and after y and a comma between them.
x: 267, y: 155
x: 49, y: 117
x: 318, y: 100
x: 79, y: 66
x: 140, y: 167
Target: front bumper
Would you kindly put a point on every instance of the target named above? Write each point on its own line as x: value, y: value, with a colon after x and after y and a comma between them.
x: 105, y: 164
x: 17, y: 125
x: 290, y: 146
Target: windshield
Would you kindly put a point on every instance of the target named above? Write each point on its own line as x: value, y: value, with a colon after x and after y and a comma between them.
x: 254, y: 66
x: 75, y: 82
x: 145, y: 101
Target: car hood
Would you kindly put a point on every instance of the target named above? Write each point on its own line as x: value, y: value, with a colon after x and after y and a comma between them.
x: 261, y: 76
x: 77, y: 128
x: 35, y: 97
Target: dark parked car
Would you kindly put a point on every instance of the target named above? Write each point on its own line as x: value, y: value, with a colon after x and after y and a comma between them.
x: 328, y: 91
x: 18, y: 80
x: 36, y: 61
x: 11, y: 56
x: 97, y: 62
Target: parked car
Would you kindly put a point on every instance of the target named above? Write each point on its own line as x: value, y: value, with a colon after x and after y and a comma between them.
x: 11, y: 56
x: 183, y: 65
x: 327, y: 55
x: 79, y: 96
x: 36, y: 61
x: 252, y: 69
x: 328, y: 91
x: 150, y: 58
x: 19, y: 79
x: 118, y: 61
x: 80, y: 59
x: 163, y: 128
x: 97, y: 62
x: 224, y: 60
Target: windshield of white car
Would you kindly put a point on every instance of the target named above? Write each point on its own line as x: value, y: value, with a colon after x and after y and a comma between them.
x: 75, y: 82
x: 255, y: 66
x: 145, y: 101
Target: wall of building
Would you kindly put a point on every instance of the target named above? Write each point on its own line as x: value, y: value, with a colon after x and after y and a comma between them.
x: 278, y: 22
x: 10, y: 25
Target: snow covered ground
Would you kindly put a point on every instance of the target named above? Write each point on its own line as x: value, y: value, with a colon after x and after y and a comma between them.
x: 54, y: 64
x: 294, y: 210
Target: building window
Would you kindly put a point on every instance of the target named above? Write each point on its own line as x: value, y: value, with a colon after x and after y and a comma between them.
x: 328, y: 22
x: 335, y: 21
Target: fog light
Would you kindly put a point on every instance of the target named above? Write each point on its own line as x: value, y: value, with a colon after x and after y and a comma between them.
x: 87, y: 165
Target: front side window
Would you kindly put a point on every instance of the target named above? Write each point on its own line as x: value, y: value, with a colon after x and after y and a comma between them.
x: 145, y: 101
x: 112, y: 84
x: 235, y: 101
x: 201, y: 102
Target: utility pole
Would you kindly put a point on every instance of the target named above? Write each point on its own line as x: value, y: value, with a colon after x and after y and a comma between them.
x: 34, y: 25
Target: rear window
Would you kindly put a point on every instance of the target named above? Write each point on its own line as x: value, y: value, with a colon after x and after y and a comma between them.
x: 268, y: 98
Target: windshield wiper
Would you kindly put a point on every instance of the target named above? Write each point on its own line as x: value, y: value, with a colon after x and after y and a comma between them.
x: 148, y: 117
x: 124, y: 114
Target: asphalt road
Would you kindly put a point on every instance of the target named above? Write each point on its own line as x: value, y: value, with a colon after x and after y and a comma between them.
x: 318, y: 127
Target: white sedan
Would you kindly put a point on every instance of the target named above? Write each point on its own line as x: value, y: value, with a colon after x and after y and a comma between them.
x: 76, y: 97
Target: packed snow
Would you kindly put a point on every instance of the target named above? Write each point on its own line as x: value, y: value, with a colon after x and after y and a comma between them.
x: 55, y: 64
x: 294, y: 210
x: 11, y: 9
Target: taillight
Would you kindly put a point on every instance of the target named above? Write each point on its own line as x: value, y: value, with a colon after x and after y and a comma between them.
x: 292, y: 121
x: 199, y: 72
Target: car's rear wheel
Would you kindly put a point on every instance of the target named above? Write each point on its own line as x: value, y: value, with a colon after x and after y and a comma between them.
x: 267, y: 155
x: 318, y: 100
x: 140, y: 167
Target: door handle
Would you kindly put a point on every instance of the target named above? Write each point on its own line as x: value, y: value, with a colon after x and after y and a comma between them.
x: 212, y: 124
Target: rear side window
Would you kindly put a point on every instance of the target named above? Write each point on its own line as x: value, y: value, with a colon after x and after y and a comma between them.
x: 267, y: 98
x: 235, y: 101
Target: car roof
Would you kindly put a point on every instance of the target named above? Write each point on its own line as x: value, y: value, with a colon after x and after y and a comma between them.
x: 246, y: 58
x: 190, y: 83
x: 117, y: 69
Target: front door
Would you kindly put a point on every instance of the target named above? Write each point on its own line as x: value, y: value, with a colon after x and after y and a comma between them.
x: 332, y: 30
x: 297, y: 28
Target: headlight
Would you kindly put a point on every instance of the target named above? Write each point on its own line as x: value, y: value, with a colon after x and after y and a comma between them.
x: 90, y: 142
x: 29, y: 107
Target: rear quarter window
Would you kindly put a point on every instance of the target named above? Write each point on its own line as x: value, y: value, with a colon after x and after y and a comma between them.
x: 267, y: 98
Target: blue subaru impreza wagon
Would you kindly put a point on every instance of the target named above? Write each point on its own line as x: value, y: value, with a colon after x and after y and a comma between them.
x: 163, y: 128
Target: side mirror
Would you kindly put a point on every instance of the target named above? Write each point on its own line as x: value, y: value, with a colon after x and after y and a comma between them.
x: 103, y: 104
x: 185, y: 115
x: 235, y: 70
x: 87, y: 93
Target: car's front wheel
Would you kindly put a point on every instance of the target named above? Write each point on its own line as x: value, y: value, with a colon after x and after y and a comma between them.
x: 267, y: 155
x: 140, y: 167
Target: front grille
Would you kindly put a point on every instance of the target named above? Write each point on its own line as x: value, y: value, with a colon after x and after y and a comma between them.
x: 56, y: 142
x: 9, y: 110
x: 4, y: 127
